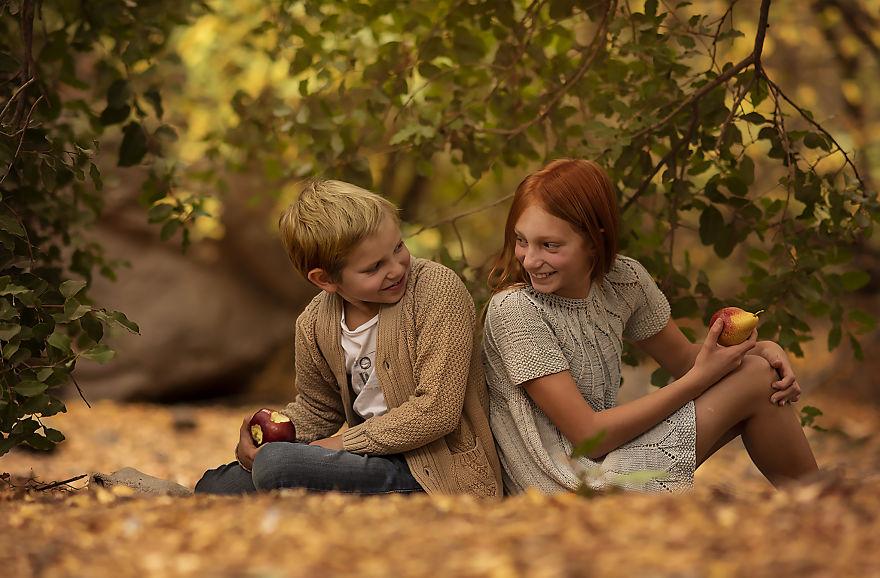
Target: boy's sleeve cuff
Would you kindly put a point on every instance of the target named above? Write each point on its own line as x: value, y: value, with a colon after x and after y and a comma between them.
x: 355, y: 439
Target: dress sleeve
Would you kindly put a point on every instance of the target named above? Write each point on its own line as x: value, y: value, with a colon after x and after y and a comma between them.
x: 518, y: 334
x: 651, y: 308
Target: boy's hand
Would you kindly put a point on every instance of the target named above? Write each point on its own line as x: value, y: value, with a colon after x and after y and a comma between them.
x: 332, y: 443
x: 246, y: 450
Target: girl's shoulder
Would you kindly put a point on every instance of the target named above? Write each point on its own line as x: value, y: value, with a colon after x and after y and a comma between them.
x: 513, y: 303
x: 626, y: 271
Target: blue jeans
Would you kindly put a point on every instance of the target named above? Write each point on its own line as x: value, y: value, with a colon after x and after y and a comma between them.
x: 294, y: 465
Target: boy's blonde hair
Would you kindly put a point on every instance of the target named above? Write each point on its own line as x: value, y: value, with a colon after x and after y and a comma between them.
x: 322, y: 226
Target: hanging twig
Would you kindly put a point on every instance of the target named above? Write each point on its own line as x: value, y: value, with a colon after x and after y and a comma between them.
x: 753, y: 59
x: 27, y: 121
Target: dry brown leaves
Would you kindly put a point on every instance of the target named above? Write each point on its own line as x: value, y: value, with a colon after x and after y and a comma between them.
x: 731, y: 524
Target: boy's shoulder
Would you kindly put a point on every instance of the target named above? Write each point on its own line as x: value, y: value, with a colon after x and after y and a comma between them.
x: 429, y: 278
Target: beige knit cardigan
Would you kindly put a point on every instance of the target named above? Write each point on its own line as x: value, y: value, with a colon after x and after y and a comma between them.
x: 429, y: 372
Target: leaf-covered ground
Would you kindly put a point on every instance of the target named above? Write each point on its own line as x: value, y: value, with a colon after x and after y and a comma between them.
x: 731, y: 524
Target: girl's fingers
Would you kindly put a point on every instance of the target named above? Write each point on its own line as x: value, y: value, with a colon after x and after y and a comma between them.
x: 714, y: 332
x: 784, y: 383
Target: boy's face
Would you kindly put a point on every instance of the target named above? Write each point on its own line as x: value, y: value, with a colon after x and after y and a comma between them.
x: 376, y: 270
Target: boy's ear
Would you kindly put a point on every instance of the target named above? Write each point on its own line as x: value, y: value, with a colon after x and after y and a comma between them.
x: 321, y: 279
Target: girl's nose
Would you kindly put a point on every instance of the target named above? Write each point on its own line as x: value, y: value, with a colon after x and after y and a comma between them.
x: 530, y: 259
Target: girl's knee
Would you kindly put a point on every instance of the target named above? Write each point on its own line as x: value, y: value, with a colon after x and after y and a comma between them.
x: 758, y: 368
x: 759, y: 375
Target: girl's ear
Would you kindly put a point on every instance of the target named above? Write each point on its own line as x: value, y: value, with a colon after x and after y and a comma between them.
x: 321, y: 279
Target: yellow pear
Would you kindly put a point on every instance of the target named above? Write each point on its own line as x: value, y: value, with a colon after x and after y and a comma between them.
x: 738, y: 324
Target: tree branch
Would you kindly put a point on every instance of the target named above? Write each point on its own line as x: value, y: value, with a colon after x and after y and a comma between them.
x: 818, y: 126
x: 586, y: 62
x: 752, y: 59
x: 695, y: 118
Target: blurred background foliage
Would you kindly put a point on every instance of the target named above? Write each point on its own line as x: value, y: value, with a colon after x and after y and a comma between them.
x: 742, y: 138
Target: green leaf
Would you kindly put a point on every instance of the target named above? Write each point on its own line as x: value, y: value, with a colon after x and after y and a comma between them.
x: 92, y: 326
x: 111, y: 115
x: 160, y: 212
x: 711, y: 225
x: 660, y: 377
x: 30, y: 388
x: 854, y: 280
x: 856, y: 347
x: 11, y: 225
x: 155, y: 99
x: 816, y: 141
x: 71, y: 287
x: 13, y: 289
x: 9, y: 330
x: 10, y: 349
x: 754, y: 118
x: 168, y: 229
x: 53, y: 435
x: 134, y: 145
x: 120, y: 319
x: 834, y: 337
x: 99, y: 353
x: 118, y: 93
x: 59, y: 341
x: 96, y: 177
x: 586, y: 447
x: 73, y: 309
x: 301, y: 61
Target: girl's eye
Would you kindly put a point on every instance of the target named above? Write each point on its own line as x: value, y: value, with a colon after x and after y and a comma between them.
x: 520, y: 241
x: 399, y: 247
x: 551, y: 245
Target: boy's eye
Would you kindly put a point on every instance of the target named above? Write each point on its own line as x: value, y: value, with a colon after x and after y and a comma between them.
x: 551, y: 245
x: 399, y: 247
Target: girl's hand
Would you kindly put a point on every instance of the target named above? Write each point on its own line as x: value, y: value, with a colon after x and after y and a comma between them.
x: 788, y: 388
x: 246, y: 450
x: 715, y: 361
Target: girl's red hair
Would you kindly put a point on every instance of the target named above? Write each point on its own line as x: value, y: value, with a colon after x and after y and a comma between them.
x: 575, y: 190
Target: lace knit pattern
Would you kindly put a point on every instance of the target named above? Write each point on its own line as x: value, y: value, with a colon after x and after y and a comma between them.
x: 530, y: 334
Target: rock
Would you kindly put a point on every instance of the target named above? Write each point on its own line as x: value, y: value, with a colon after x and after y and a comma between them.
x: 140, y: 482
x: 211, y: 319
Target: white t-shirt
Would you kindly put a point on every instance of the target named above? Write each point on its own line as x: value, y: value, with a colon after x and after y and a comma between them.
x: 360, y: 363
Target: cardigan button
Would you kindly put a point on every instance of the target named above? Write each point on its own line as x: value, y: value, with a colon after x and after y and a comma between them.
x: 386, y: 364
x: 427, y: 472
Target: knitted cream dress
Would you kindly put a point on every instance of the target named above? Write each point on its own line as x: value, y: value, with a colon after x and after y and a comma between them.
x: 530, y: 334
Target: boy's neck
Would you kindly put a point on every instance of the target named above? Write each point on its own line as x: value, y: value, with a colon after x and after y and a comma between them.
x: 356, y: 314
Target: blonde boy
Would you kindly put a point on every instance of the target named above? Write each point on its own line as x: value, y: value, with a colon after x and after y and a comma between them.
x: 386, y: 348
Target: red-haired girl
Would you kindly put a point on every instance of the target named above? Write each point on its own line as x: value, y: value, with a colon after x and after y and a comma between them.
x: 563, y: 301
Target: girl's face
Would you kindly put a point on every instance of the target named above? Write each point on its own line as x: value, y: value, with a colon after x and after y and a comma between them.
x: 553, y: 253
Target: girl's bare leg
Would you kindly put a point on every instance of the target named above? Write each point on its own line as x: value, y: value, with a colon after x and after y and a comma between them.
x: 740, y: 404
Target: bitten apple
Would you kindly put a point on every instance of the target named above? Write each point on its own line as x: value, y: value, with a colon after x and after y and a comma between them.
x: 738, y: 324
x: 271, y: 426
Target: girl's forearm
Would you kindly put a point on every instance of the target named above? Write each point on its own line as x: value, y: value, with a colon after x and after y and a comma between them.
x: 622, y: 423
x: 687, y: 361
